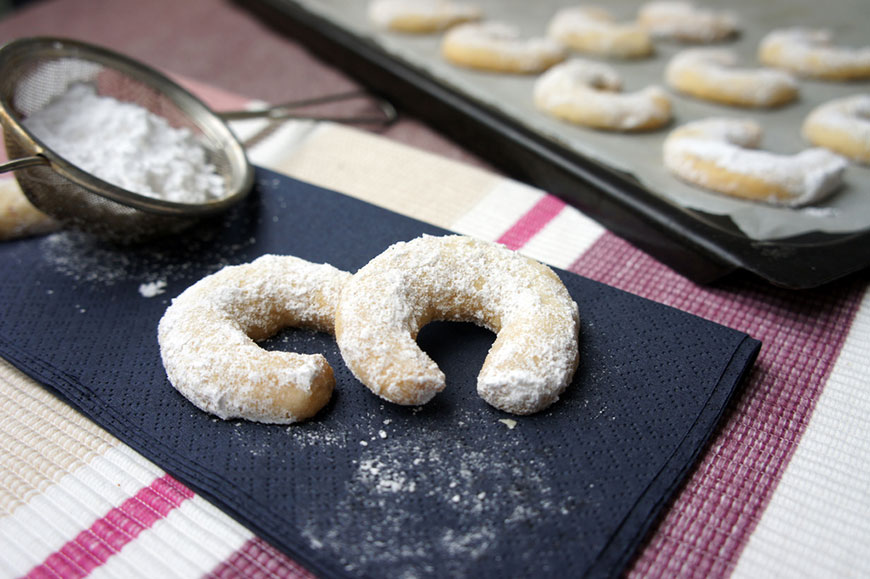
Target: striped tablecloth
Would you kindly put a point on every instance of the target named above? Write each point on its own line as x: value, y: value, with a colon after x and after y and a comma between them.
x: 782, y: 489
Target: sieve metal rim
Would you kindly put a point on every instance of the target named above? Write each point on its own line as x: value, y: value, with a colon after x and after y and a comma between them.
x: 22, y: 50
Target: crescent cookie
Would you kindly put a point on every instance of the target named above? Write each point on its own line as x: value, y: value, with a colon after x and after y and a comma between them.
x: 843, y: 126
x: 718, y: 154
x: 810, y: 52
x: 388, y: 301
x: 498, y: 47
x: 587, y: 93
x: 591, y: 29
x: 208, y: 336
x: 686, y: 22
x: 18, y: 217
x: 711, y: 74
x: 421, y: 16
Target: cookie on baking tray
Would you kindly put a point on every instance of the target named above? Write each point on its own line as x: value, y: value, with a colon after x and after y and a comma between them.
x: 720, y: 154
x: 18, y: 217
x: 810, y: 52
x: 421, y: 16
x: 711, y: 74
x: 499, y: 47
x: 593, y: 30
x: 686, y: 22
x: 843, y: 126
x: 587, y: 93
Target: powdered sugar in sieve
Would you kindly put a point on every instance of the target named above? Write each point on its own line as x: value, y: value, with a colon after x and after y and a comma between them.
x: 126, y: 145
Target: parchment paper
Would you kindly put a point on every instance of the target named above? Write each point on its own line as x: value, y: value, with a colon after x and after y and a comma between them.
x: 640, y: 154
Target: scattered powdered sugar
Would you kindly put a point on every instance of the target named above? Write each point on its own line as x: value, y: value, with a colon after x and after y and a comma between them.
x: 84, y: 260
x: 385, y: 478
x: 126, y: 145
x: 152, y: 288
x: 421, y: 500
x: 321, y: 437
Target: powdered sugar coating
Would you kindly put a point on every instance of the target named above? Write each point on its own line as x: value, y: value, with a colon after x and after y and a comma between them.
x: 592, y: 29
x: 388, y: 301
x: 499, y: 47
x: 421, y: 16
x: 810, y: 52
x: 678, y: 20
x: 712, y: 74
x: 718, y: 154
x: 843, y: 126
x: 208, y: 339
x: 586, y: 93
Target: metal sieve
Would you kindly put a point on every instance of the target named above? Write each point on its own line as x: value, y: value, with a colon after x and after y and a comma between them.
x: 34, y: 71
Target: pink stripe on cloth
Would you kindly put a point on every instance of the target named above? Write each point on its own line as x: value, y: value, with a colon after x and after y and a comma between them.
x: 708, y: 524
x: 532, y: 222
x: 108, y: 535
x: 257, y: 558
x: 217, y: 99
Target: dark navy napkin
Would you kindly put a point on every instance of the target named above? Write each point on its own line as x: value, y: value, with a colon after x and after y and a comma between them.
x: 367, y: 488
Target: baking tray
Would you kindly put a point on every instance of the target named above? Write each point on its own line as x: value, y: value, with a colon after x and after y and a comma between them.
x: 700, y: 244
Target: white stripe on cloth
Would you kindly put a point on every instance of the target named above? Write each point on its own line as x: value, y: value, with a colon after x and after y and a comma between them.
x: 498, y: 210
x: 269, y: 143
x: 385, y: 173
x: 564, y: 239
x: 190, y: 541
x: 57, y: 515
x: 826, y: 486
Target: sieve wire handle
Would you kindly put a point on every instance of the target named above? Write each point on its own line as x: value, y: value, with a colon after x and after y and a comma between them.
x: 23, y: 163
x: 289, y: 110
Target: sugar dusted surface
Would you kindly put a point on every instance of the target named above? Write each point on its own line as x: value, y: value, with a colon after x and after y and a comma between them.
x: 686, y: 21
x: 584, y: 89
x: 807, y: 176
x: 845, y: 125
x: 152, y: 288
x: 714, y: 71
x: 389, y: 300
x: 504, y: 42
x: 489, y: 491
x: 207, y: 339
x: 811, y: 51
x: 385, y: 13
x: 594, y: 29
